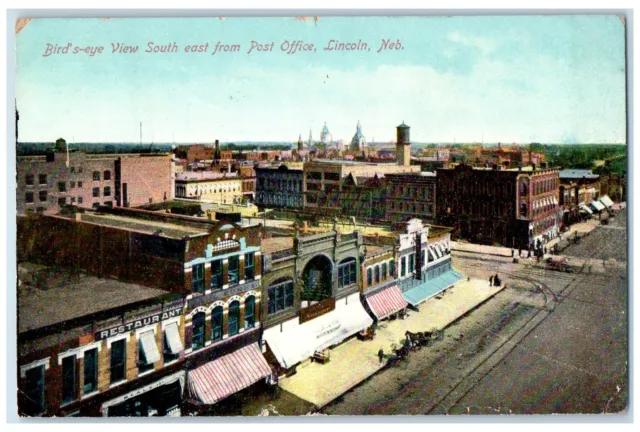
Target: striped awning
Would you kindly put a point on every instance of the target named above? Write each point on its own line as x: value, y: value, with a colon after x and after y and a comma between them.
x: 386, y: 302
x: 227, y: 375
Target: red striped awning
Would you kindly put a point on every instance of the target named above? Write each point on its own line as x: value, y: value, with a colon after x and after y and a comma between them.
x: 227, y: 375
x: 387, y: 301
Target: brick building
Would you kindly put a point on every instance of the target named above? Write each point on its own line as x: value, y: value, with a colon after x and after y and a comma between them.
x: 280, y: 186
x: 46, y: 183
x: 410, y: 195
x: 578, y: 188
x: 219, y: 187
x: 513, y: 207
x: 97, y: 347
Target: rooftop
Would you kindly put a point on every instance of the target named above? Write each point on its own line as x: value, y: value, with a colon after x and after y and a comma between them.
x: 577, y: 174
x: 204, y: 175
x: 48, y: 296
x: 174, y: 230
x: 276, y: 244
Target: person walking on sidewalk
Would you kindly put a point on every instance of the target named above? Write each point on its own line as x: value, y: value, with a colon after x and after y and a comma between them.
x: 491, y: 280
x: 381, y: 355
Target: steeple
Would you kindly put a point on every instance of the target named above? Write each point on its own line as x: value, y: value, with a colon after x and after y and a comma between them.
x: 310, y: 140
x: 300, y: 143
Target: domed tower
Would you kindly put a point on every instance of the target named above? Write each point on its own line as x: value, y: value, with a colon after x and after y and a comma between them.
x: 403, y: 145
x: 300, y: 143
x: 357, y: 142
x: 325, y: 135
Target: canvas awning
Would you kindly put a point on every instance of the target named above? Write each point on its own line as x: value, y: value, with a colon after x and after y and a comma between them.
x: 172, y: 337
x: 386, y: 302
x: 585, y: 209
x: 147, y: 341
x: 606, y: 201
x: 227, y: 375
x: 597, y: 205
x: 292, y: 344
x: 431, y: 287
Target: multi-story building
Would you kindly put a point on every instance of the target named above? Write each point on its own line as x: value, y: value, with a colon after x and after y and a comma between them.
x: 578, y: 189
x: 311, y: 286
x: 515, y: 207
x: 279, y: 187
x: 219, y: 187
x: 214, y: 265
x: 46, y: 183
x: 97, y: 347
x: 364, y: 197
x: 410, y: 195
x: 380, y: 292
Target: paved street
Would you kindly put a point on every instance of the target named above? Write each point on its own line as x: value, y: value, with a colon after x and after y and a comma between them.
x: 551, y: 342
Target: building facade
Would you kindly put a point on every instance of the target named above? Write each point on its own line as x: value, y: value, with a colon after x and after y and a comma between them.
x: 279, y: 187
x: 47, y: 183
x: 224, y: 188
x: 411, y: 195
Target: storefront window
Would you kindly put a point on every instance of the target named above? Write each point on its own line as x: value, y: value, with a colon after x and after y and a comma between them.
x: 90, y: 371
x: 234, y: 317
x: 249, y: 312
x: 216, y: 324
x: 197, y: 337
x: 68, y: 379
x: 280, y: 296
x: 118, y: 360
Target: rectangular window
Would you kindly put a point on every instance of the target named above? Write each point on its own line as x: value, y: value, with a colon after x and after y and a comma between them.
x: 280, y: 297
x: 90, y: 371
x: 403, y: 266
x: 62, y: 187
x: 42, y: 195
x: 216, y: 324
x: 172, y: 343
x: 234, y: 263
x: 73, y: 169
x: 197, y: 284
x: 392, y: 268
x: 412, y: 263
x: 29, y: 179
x: 68, y: 379
x: 347, y: 273
x: 249, y: 266
x: 118, y: 361
x: 147, y: 351
x: 96, y: 192
x: 35, y: 391
x: 216, y: 274
x: 79, y: 184
x: 79, y: 200
x: 28, y: 197
x: 107, y: 191
x: 72, y: 185
x: 96, y: 176
x: 62, y: 202
x: 107, y: 175
x: 42, y: 179
x: 79, y: 169
x: 197, y: 337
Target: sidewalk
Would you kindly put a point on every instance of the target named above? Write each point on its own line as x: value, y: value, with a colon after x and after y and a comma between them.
x: 354, y: 361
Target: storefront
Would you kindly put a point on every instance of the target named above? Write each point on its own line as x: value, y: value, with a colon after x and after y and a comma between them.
x: 292, y: 342
x: 162, y: 398
x: 606, y: 201
x: 386, y: 302
x: 597, y: 206
x: 227, y: 375
x: 439, y: 278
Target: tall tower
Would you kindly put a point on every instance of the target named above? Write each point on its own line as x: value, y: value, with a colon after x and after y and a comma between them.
x: 310, y: 144
x: 325, y: 134
x: 300, y: 143
x: 403, y: 145
x: 216, y: 155
x: 357, y: 142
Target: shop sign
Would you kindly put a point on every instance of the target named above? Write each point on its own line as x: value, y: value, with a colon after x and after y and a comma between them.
x: 139, y: 323
x: 316, y: 310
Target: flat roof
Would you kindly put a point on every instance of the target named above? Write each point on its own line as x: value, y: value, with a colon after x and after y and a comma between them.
x: 276, y: 244
x: 48, y: 296
x: 146, y: 226
x: 348, y: 162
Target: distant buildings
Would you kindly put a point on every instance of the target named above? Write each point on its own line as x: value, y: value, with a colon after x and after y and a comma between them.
x: 514, y: 207
x: 224, y: 188
x: 279, y: 187
x: 358, y: 140
x: 46, y: 183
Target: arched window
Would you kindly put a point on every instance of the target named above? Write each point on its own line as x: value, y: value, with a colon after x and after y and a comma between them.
x: 216, y: 324
x: 369, y: 277
x: 250, y: 312
x: 377, y: 274
x: 234, y: 317
x: 384, y: 271
x: 197, y: 337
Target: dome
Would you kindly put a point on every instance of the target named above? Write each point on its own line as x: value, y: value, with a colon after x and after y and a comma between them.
x: 325, y: 129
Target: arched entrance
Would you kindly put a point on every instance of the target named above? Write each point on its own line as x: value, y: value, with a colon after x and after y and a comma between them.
x: 317, y: 280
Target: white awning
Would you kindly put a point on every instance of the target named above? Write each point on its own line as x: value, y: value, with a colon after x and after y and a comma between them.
x: 586, y: 209
x: 147, y: 341
x: 606, y: 201
x: 298, y: 342
x: 591, y: 190
x: 172, y: 336
x: 597, y: 205
x: 438, y: 254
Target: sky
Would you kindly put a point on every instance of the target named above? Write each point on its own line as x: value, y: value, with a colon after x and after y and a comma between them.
x: 547, y: 79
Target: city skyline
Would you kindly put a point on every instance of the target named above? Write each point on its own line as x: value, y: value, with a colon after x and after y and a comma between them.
x: 537, y: 79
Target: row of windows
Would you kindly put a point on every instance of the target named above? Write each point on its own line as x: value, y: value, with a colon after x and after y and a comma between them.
x: 30, y: 179
x: 380, y: 272
x: 62, y: 186
x: 217, y: 322
x: 106, y: 191
x: 34, y: 377
x: 106, y: 174
x: 281, y: 296
x: 42, y: 179
x: 29, y: 197
x: 217, y: 272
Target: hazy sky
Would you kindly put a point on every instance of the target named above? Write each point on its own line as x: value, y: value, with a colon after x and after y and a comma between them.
x: 508, y: 79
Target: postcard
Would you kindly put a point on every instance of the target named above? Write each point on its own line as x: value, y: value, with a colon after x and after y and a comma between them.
x: 287, y: 216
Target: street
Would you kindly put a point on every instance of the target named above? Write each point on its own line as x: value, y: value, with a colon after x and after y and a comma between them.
x: 552, y: 342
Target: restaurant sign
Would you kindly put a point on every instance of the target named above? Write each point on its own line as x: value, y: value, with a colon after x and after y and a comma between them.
x: 316, y: 310
x: 138, y: 323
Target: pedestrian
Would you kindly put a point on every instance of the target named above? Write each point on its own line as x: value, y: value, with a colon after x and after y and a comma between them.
x: 381, y: 355
x: 496, y: 280
x: 491, y: 280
